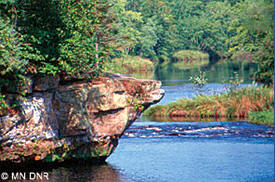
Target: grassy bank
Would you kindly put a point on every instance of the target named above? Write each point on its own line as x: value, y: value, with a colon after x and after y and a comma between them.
x: 251, y: 103
x: 189, y: 65
x: 128, y: 64
x: 262, y: 117
x: 187, y: 59
x: 190, y: 56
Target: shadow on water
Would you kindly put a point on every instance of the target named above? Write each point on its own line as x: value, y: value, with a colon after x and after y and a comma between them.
x: 67, y: 172
x: 93, y: 173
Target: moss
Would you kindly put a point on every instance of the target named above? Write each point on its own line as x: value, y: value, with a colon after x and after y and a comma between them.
x: 84, y: 151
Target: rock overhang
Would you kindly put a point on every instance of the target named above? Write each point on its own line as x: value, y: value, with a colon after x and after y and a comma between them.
x: 84, y: 119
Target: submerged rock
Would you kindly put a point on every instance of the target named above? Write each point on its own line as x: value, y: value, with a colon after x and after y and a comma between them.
x: 62, y: 121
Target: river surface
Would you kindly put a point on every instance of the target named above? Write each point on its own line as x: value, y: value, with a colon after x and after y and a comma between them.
x: 184, y: 151
x: 152, y: 151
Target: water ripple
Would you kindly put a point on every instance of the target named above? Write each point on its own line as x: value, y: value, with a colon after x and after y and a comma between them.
x: 144, y: 129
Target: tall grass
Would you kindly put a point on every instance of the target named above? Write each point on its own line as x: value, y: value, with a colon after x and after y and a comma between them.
x: 190, y: 56
x: 237, y: 104
x: 187, y: 59
x: 128, y: 64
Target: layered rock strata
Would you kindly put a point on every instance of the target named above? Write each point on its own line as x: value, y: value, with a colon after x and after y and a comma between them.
x: 63, y: 120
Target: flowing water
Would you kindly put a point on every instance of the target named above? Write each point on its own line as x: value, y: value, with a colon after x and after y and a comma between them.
x: 184, y: 151
x: 152, y: 151
x: 195, y: 151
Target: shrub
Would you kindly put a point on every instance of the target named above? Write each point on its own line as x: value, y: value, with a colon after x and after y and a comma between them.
x: 10, y: 49
x: 49, y: 37
x: 59, y: 36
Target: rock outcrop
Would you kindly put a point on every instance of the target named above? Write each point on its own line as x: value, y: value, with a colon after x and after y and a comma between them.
x: 65, y: 120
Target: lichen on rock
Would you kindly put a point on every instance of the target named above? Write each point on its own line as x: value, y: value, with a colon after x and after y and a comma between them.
x: 74, y: 119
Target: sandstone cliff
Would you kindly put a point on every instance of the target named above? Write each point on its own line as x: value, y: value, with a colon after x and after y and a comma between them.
x: 64, y: 120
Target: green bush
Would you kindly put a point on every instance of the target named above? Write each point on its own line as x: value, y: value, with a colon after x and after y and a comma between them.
x: 265, y: 59
x: 50, y: 37
x: 59, y: 36
x: 10, y: 49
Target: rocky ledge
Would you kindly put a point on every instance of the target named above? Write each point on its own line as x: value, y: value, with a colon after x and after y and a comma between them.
x: 59, y: 121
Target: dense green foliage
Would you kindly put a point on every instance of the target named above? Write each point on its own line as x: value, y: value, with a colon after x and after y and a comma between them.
x: 61, y: 36
x: 242, y: 30
x: 254, y: 35
x: 53, y: 36
x: 64, y: 37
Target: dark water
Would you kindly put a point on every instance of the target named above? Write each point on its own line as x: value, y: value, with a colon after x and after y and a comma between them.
x: 186, y: 151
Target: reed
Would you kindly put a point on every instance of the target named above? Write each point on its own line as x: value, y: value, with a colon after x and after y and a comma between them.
x: 238, y: 104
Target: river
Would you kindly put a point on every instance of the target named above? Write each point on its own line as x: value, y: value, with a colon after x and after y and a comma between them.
x: 152, y: 151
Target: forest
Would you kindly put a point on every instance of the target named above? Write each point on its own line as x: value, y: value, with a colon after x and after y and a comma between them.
x: 79, y: 37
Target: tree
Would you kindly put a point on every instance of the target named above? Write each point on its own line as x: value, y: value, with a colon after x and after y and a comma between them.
x: 148, y: 40
x: 254, y: 36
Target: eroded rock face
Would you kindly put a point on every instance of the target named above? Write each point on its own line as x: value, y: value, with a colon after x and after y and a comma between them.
x: 79, y: 120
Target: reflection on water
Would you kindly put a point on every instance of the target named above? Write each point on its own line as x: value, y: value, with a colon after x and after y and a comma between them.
x: 73, y: 171
x: 86, y: 172
x: 142, y: 75
x: 215, y: 73
x: 177, y: 85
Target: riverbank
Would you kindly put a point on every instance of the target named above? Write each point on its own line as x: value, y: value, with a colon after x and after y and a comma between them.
x: 129, y: 64
x: 190, y: 56
x: 187, y: 59
x: 249, y: 103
